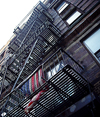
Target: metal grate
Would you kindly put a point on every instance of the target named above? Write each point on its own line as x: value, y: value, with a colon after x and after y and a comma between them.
x: 47, y: 39
x: 65, y: 88
x: 31, y: 43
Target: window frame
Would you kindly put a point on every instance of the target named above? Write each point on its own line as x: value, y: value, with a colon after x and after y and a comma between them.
x: 59, y: 7
x: 71, y: 10
x: 87, y: 48
x: 97, y: 53
x: 76, y: 11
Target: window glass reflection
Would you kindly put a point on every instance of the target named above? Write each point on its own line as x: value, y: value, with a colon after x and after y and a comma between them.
x: 73, y: 17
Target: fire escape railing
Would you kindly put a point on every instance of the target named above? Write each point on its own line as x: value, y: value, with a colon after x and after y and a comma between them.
x: 66, y: 86
x: 25, y: 56
x: 39, y: 27
x: 29, y: 48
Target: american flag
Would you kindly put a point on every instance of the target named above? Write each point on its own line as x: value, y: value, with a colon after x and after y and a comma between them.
x: 33, y: 83
x: 34, y: 101
x: 30, y: 86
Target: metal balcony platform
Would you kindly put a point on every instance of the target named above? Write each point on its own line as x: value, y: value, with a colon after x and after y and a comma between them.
x: 66, y: 87
x: 38, y: 27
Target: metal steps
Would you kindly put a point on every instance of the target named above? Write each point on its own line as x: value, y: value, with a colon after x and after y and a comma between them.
x: 44, y: 44
x: 27, y: 53
x: 30, y: 45
x: 66, y: 87
x: 14, y: 99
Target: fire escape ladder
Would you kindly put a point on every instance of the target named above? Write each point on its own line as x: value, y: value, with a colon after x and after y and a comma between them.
x: 33, y: 41
x: 37, y: 25
x: 3, y: 78
x: 66, y: 87
x: 33, y: 55
x: 59, y: 95
x: 29, y: 47
x: 8, y: 102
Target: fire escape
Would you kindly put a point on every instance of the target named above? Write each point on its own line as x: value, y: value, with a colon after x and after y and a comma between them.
x: 36, y: 46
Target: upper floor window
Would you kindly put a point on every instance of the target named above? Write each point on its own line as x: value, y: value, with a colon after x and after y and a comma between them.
x: 61, y: 7
x: 93, y: 44
x: 73, y: 17
x: 68, y: 12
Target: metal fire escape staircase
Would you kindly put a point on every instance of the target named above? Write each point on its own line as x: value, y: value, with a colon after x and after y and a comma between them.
x: 66, y: 87
x: 40, y: 37
x: 31, y: 44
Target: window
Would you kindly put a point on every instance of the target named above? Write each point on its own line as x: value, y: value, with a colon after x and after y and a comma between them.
x: 67, y: 12
x: 93, y: 44
x: 55, y: 69
x: 62, y: 7
x: 73, y: 17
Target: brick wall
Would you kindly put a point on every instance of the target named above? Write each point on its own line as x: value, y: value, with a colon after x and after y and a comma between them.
x: 72, y: 36
x: 80, y: 54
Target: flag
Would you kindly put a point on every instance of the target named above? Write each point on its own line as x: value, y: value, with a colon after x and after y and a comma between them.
x: 34, y: 101
x: 30, y: 86
x: 33, y: 83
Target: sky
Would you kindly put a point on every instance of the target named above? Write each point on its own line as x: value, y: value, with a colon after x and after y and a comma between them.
x: 11, y: 14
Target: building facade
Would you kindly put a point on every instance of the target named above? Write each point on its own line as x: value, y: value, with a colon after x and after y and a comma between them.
x: 58, y: 47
